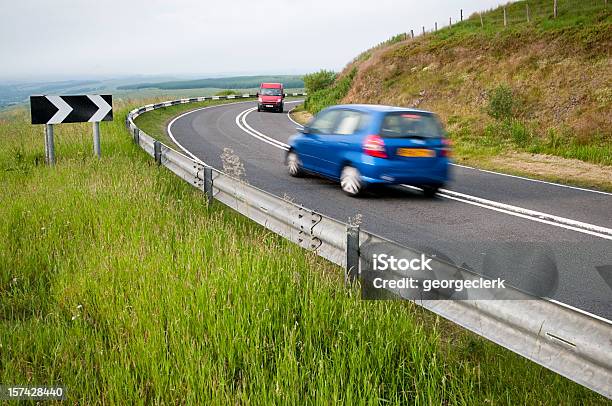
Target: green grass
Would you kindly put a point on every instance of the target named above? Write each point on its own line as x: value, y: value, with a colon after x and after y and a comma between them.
x: 120, y: 283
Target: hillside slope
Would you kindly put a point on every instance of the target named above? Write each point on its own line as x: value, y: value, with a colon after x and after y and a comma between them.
x: 543, y: 86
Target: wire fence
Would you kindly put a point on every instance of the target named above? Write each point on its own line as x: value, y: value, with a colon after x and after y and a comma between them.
x: 512, y: 14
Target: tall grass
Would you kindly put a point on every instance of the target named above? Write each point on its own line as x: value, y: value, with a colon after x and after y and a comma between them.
x: 120, y: 283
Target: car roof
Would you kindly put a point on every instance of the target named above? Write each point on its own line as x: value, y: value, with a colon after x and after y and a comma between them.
x: 271, y: 85
x: 379, y: 108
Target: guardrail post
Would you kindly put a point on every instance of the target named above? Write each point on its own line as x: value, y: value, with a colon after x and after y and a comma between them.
x: 352, y: 254
x: 157, y: 151
x: 208, y: 184
x: 136, y: 136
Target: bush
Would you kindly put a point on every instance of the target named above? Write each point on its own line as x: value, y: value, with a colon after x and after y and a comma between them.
x: 501, y: 103
x: 319, y: 80
x: 330, y: 95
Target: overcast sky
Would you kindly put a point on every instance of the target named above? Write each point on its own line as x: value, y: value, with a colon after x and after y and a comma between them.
x: 43, y: 39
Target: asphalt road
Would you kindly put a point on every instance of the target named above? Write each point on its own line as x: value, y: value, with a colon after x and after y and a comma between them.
x: 498, y: 236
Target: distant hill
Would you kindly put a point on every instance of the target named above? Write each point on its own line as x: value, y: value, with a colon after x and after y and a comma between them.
x: 236, y: 82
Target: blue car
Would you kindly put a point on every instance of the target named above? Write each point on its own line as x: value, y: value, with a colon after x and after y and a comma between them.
x: 364, y: 145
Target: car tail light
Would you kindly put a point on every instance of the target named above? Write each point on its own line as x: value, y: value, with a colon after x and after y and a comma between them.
x: 373, y: 145
x: 446, y: 151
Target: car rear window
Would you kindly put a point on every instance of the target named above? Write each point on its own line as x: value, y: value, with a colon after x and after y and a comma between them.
x: 411, y: 124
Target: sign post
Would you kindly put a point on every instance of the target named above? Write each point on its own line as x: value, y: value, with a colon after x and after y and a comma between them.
x: 49, y: 145
x: 51, y: 110
x: 96, y: 139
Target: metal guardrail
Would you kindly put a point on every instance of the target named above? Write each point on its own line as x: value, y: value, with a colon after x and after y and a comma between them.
x: 561, y: 339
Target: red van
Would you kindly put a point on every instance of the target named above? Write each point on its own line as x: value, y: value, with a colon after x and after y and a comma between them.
x: 270, y: 97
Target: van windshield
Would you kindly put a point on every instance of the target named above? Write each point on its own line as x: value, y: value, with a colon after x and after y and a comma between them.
x: 270, y: 92
x: 411, y: 124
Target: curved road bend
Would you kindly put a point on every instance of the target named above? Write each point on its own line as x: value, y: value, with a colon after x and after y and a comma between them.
x: 487, y: 218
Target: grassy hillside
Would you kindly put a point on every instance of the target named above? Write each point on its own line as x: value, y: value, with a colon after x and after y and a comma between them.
x: 543, y: 86
x: 237, y: 82
x: 118, y: 282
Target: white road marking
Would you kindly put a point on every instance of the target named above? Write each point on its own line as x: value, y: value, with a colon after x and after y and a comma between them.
x: 532, y: 213
x: 292, y: 120
x: 534, y: 180
x: 580, y: 311
x: 171, y: 135
x: 242, y: 124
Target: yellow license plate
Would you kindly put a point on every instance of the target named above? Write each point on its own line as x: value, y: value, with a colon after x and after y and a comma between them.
x: 416, y: 152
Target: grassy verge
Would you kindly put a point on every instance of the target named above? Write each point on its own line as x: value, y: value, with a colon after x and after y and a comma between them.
x: 300, y: 115
x: 118, y: 282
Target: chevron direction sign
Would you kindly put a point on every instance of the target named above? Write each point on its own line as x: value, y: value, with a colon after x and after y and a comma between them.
x: 71, y: 109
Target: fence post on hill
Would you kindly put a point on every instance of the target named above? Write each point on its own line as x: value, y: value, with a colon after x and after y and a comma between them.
x: 436, y: 26
x: 450, y: 21
x: 461, y: 13
x: 527, y: 11
x: 481, y: 22
x: 505, y: 18
x: 412, y: 33
x: 555, y: 8
x: 423, y: 30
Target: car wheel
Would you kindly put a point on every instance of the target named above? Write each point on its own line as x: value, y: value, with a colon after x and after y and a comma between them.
x: 350, y: 181
x: 294, y: 165
x: 430, y: 191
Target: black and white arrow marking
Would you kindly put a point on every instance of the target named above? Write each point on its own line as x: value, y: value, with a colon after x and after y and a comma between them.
x: 71, y: 109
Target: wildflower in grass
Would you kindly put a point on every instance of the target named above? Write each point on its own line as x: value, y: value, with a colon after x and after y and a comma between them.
x: 355, y: 221
x: 232, y: 165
